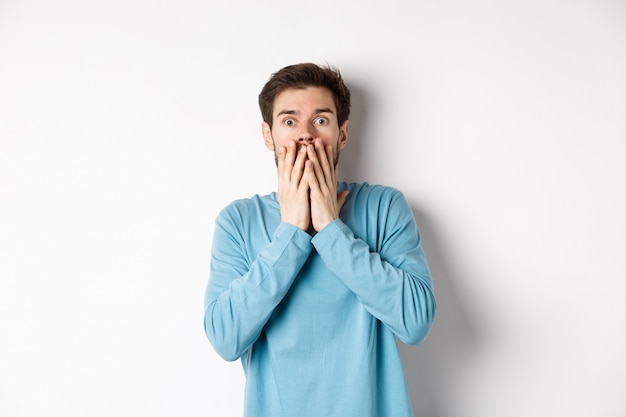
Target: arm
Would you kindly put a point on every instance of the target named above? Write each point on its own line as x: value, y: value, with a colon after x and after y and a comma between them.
x: 394, y: 282
x: 242, y: 293
x: 241, y: 296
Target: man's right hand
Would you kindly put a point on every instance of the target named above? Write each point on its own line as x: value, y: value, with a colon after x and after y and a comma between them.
x: 293, y: 189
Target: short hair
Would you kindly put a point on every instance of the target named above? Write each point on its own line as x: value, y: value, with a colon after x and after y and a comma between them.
x: 301, y: 76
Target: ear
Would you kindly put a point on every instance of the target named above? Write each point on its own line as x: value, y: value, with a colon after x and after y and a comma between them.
x: 343, y: 134
x: 267, y: 136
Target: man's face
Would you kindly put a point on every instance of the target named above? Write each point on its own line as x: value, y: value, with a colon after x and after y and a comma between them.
x: 302, y: 115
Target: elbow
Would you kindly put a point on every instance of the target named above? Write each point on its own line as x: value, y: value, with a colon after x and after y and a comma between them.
x: 417, y: 334
x: 421, y: 324
x: 224, y: 349
x: 224, y: 343
x: 229, y: 355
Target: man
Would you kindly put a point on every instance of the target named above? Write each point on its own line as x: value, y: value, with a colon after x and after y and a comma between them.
x: 310, y: 286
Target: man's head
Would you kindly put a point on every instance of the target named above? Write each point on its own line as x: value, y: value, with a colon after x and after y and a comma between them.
x: 303, y: 102
x: 300, y: 76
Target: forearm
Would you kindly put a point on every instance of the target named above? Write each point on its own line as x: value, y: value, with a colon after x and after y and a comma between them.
x: 399, y: 294
x: 239, y: 301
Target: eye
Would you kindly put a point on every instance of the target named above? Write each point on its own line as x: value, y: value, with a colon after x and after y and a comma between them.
x: 321, y: 121
x: 289, y: 122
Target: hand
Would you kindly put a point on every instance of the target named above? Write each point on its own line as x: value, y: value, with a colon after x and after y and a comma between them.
x: 322, y: 179
x: 293, y: 188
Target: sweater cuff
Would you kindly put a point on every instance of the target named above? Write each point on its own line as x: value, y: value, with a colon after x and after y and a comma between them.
x: 330, y: 234
x: 288, y: 232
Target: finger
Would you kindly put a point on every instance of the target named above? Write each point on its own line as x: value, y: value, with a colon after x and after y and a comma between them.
x: 285, y: 163
x: 326, y: 162
x: 341, y: 198
x: 324, y: 158
x: 310, y: 177
x: 290, y: 156
x: 298, y: 166
x: 331, y: 165
x: 280, y: 157
x: 314, y: 157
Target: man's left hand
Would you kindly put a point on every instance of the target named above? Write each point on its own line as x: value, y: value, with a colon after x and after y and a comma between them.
x: 322, y: 178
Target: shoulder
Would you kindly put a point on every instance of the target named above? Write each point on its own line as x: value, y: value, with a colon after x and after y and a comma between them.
x: 365, y: 192
x: 375, y: 212
x: 245, y: 207
x: 376, y: 201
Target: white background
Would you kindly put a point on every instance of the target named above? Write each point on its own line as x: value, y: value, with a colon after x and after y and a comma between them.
x: 125, y: 126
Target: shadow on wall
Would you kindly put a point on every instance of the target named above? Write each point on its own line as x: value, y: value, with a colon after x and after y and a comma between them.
x: 350, y: 168
x: 432, y: 366
x: 435, y: 364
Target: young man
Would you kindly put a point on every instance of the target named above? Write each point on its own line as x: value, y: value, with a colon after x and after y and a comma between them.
x: 310, y: 286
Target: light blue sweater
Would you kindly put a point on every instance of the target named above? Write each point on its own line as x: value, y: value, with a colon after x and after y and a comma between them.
x: 315, y: 319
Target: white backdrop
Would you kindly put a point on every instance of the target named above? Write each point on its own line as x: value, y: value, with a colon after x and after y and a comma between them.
x: 125, y: 126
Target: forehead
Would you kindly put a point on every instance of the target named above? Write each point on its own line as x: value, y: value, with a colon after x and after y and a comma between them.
x: 304, y: 100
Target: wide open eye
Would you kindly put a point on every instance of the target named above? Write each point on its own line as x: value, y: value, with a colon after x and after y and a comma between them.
x: 322, y: 121
x: 289, y: 122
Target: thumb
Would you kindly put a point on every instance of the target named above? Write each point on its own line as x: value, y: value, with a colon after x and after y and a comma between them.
x: 341, y: 198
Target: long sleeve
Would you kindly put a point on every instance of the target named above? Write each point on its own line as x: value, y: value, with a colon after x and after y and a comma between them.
x: 244, y: 288
x: 390, y: 275
x: 315, y: 320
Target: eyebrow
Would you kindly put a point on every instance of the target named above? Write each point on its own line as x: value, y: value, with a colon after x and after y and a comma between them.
x: 318, y: 111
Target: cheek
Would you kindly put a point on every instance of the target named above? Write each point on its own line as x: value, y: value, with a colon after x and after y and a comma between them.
x: 330, y: 138
x: 280, y: 138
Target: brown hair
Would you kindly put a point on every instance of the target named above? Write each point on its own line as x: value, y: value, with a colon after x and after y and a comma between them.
x: 301, y: 76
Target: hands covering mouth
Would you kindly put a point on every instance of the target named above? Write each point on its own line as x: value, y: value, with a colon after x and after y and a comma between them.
x: 307, y: 185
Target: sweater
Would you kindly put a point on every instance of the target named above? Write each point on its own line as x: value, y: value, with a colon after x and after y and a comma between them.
x: 314, y: 318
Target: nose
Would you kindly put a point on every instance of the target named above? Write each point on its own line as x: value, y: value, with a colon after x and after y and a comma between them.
x: 306, y: 135
x: 306, y: 138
